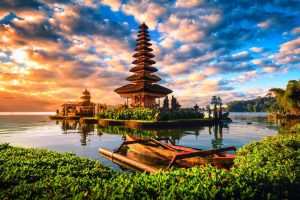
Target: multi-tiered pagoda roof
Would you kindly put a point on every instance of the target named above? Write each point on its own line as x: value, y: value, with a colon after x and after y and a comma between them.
x: 143, y: 80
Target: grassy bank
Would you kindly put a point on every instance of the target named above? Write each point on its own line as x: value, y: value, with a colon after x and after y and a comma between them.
x: 268, y: 169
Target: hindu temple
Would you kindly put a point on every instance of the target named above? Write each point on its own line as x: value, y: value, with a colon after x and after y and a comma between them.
x: 83, y: 108
x: 143, y: 90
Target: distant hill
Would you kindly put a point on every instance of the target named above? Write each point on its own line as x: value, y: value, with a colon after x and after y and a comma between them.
x: 260, y: 104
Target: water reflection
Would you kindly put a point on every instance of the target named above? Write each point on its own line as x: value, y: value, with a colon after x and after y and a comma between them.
x: 217, y: 129
x: 74, y: 126
x: 85, y: 139
x: 85, y: 130
x: 283, y: 121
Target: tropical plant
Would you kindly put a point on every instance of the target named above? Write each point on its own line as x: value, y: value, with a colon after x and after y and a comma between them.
x: 149, y: 114
x: 288, y: 99
x: 129, y: 114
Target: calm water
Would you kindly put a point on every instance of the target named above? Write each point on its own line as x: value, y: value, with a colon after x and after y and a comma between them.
x: 85, y: 140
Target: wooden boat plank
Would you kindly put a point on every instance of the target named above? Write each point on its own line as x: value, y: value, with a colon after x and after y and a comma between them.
x: 188, y: 156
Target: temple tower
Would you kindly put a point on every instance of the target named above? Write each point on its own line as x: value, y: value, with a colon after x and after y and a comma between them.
x: 143, y: 91
x: 86, y: 97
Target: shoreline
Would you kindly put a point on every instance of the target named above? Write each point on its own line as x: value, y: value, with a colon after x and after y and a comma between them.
x: 278, y: 116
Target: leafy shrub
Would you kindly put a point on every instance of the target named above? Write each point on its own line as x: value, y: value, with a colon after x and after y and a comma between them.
x: 35, y: 174
x: 290, y: 130
x: 180, y: 114
x: 268, y: 169
x: 149, y: 114
x: 129, y: 114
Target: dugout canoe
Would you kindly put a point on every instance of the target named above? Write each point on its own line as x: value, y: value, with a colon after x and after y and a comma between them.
x: 182, y: 155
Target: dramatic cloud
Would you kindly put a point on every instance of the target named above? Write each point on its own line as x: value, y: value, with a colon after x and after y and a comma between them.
x: 145, y: 11
x: 191, y: 3
x: 289, y: 52
x: 296, y: 30
x: 256, y: 49
x: 50, y: 51
x: 114, y: 4
x: 265, y: 24
x: 269, y: 69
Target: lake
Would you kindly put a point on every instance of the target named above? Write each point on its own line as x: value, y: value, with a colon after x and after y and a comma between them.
x: 38, y: 131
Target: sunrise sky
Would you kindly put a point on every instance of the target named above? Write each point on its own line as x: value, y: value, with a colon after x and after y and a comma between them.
x: 50, y: 51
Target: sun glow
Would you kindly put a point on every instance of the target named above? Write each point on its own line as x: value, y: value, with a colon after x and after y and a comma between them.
x: 19, y: 56
x: 5, y: 39
x: 15, y: 82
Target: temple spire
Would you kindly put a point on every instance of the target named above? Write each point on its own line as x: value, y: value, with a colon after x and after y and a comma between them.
x: 143, y: 91
x: 143, y: 58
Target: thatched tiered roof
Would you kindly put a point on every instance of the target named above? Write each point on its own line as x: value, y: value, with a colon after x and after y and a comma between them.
x: 143, y: 79
x: 86, y: 95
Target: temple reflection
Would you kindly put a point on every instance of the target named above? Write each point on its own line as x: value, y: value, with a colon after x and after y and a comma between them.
x: 86, y: 130
x: 73, y: 126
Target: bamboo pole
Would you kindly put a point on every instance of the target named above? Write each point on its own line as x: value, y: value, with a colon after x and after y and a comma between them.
x: 133, y: 163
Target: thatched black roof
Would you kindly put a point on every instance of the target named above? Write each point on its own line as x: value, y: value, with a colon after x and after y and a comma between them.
x: 143, y: 77
x: 144, y: 38
x: 136, y: 88
x: 143, y: 68
x: 147, y: 61
x: 143, y: 48
x: 143, y: 26
x: 143, y: 53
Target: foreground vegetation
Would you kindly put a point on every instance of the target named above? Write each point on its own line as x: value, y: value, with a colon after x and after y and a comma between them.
x: 268, y: 169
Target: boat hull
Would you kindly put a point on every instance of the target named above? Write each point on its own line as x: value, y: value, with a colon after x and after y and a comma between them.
x: 223, y: 160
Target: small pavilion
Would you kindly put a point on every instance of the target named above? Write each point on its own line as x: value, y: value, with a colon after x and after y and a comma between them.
x: 83, y: 108
x: 143, y: 89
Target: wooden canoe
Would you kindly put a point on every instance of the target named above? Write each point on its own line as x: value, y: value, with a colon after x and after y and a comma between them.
x: 168, y: 151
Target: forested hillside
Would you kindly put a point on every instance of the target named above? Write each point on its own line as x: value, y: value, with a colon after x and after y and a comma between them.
x: 260, y: 104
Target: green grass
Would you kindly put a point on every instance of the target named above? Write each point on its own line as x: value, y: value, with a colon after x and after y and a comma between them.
x: 268, y: 169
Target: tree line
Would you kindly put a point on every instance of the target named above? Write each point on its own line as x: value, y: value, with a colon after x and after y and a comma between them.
x: 288, y: 100
x: 278, y: 100
x: 260, y: 104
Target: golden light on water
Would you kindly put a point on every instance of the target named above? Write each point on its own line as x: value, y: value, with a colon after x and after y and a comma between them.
x: 26, y: 113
